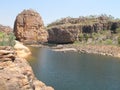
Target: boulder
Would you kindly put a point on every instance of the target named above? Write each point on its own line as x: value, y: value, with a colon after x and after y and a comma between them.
x: 21, y: 50
x: 29, y: 27
x: 61, y: 35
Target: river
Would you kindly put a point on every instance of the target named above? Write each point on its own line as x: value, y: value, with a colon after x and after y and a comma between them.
x: 75, y: 71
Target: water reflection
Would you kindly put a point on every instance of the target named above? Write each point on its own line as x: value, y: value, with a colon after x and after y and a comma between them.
x: 74, y: 71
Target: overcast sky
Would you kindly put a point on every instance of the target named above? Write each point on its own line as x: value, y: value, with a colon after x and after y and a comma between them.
x: 50, y: 10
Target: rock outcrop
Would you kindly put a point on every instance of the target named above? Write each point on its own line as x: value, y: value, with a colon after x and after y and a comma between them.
x: 6, y: 54
x: 29, y: 27
x: 5, y: 29
x: 21, y: 50
x: 82, y: 25
x: 16, y: 74
x: 61, y: 35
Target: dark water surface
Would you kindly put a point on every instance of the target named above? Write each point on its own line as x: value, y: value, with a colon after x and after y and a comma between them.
x: 74, y: 71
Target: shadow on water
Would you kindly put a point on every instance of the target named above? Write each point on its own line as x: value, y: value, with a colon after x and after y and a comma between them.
x: 74, y: 71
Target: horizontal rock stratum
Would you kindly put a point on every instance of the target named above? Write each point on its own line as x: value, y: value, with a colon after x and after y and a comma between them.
x: 29, y: 27
x: 68, y: 30
x: 16, y: 73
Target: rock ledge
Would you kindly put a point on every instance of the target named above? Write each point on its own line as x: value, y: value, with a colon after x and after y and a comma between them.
x: 16, y: 73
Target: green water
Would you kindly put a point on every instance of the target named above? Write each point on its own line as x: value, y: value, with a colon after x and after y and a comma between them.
x: 74, y: 71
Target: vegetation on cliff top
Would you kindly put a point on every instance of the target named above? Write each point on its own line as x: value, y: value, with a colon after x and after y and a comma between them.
x: 84, y: 20
x: 93, y: 29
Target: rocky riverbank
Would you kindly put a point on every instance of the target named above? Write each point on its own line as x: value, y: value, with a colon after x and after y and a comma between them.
x: 108, y: 50
x: 16, y: 73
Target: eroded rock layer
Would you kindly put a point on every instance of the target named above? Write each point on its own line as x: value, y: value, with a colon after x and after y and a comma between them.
x: 16, y: 73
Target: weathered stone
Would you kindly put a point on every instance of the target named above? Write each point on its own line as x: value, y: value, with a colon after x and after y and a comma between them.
x: 83, y: 25
x: 5, y: 29
x: 3, y: 84
x: 21, y: 50
x: 29, y: 27
x: 38, y: 85
x: 87, y: 29
x: 62, y: 35
x: 108, y: 50
x: 6, y: 54
x: 47, y: 88
x: 18, y: 75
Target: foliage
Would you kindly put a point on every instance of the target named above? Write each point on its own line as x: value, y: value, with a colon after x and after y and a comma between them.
x: 96, y: 29
x: 7, y: 39
x: 2, y: 39
x: 86, y: 36
x: 76, y: 42
x: 82, y: 20
x: 118, y: 30
x: 119, y: 40
x: 108, y: 42
x: 81, y: 37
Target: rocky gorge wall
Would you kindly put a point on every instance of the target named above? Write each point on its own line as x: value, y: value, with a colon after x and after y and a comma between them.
x: 29, y: 28
x: 62, y: 35
x: 16, y: 73
x: 74, y: 27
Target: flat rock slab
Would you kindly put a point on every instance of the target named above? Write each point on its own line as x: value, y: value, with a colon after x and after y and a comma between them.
x: 65, y: 50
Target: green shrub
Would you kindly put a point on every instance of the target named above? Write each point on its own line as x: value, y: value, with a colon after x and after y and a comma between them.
x: 86, y: 36
x: 119, y: 40
x: 118, y: 30
x: 2, y: 39
x: 11, y: 40
x: 108, y: 42
x: 7, y: 39
x: 81, y: 37
x: 76, y: 42
x: 93, y: 36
